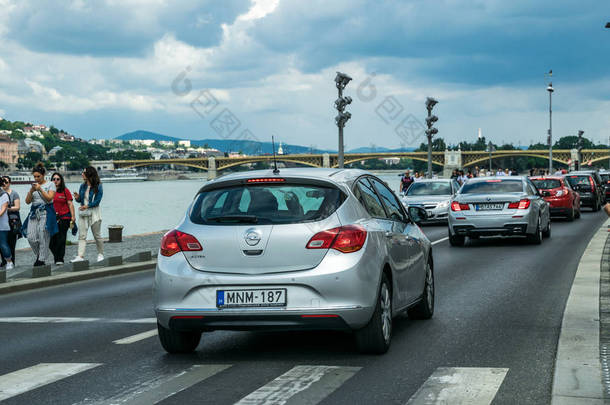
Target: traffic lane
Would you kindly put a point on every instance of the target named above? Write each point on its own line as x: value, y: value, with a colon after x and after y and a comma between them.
x: 434, y: 232
x: 499, y: 303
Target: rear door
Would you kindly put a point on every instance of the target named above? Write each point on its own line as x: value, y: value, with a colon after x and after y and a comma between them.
x: 407, y: 246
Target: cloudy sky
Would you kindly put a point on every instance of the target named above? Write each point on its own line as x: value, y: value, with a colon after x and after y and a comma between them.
x: 198, y: 69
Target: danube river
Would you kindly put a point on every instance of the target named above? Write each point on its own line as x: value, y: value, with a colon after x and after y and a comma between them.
x: 147, y: 206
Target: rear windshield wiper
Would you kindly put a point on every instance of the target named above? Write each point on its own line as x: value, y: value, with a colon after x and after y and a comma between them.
x: 234, y: 218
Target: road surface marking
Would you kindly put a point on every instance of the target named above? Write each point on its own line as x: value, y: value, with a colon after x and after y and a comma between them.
x: 30, y: 378
x: 460, y: 385
x: 136, y: 338
x: 440, y: 240
x: 159, y: 390
x: 301, y: 385
x: 57, y: 319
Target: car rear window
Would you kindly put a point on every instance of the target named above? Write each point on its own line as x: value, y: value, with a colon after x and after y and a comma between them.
x: 582, y: 180
x: 429, y: 189
x: 492, y: 187
x: 265, y: 204
x: 546, y: 184
x: 605, y: 178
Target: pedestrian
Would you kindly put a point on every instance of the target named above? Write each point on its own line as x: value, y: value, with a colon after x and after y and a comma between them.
x: 14, y: 218
x: 405, y: 181
x: 64, y: 211
x: 41, y: 224
x: 89, y: 196
x: 5, y: 230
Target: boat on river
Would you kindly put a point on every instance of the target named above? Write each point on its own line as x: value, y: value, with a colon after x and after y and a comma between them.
x: 122, y: 176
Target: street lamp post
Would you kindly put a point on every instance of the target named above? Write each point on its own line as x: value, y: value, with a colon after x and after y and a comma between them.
x: 550, y: 89
x: 579, y: 149
x: 341, y: 80
x: 431, y: 131
x: 490, y: 149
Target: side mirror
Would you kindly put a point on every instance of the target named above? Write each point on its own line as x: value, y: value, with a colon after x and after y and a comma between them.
x: 417, y: 214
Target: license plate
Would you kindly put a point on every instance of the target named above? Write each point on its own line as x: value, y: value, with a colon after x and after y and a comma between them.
x: 251, y: 298
x: 489, y: 207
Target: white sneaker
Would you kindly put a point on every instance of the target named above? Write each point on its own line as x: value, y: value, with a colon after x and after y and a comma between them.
x: 100, y: 258
x: 77, y: 259
x: 9, y: 265
x: 59, y: 263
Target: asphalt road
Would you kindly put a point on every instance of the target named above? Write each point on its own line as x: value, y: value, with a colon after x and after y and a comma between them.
x: 499, y: 305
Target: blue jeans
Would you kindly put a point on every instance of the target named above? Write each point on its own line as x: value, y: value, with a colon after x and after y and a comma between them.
x: 4, y: 246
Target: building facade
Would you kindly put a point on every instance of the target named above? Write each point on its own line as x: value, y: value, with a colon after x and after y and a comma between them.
x: 8, y: 151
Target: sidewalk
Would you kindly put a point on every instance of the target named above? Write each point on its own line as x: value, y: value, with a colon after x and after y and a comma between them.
x: 581, y: 365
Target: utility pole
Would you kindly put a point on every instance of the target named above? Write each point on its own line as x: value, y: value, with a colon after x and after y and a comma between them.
x: 490, y: 149
x: 341, y: 80
x: 431, y: 131
x: 579, y: 148
x: 550, y: 89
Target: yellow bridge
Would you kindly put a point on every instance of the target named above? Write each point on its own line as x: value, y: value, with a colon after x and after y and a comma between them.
x: 446, y: 159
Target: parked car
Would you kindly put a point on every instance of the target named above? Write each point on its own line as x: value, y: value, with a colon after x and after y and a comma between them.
x: 588, y: 185
x: 563, y: 200
x: 302, y: 249
x: 432, y: 195
x: 605, y: 176
x: 499, y: 206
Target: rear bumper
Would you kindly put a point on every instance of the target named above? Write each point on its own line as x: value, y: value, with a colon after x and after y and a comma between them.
x: 501, y: 225
x: 506, y: 230
x: 562, y: 211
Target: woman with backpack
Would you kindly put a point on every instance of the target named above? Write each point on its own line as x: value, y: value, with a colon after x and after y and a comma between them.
x: 14, y: 219
x: 64, y: 210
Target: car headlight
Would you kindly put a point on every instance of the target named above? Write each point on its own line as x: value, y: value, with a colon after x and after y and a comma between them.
x: 443, y: 204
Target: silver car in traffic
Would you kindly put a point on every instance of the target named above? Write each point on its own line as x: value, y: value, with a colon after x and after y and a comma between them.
x: 498, y: 206
x: 299, y: 249
x: 432, y: 195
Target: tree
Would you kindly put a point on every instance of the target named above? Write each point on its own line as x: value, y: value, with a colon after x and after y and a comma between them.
x: 571, y: 142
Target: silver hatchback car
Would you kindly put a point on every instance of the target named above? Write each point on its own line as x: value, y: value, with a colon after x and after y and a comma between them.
x: 499, y: 206
x: 302, y: 249
x: 432, y: 195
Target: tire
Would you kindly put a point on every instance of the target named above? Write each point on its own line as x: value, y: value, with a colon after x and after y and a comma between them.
x: 424, y: 309
x: 597, y: 206
x: 456, y: 240
x: 536, y: 237
x: 547, y: 232
x: 578, y: 213
x: 571, y: 215
x: 178, y: 342
x: 376, y: 336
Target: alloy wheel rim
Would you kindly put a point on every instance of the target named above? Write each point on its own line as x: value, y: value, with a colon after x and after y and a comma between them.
x: 386, y: 312
x: 429, y: 288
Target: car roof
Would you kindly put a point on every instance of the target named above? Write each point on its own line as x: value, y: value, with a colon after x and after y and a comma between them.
x: 547, y: 177
x: 433, y: 181
x: 486, y: 178
x: 332, y: 174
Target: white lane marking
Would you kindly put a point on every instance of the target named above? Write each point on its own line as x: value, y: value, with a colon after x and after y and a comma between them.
x: 57, y: 319
x: 136, y: 338
x: 440, y: 240
x: 155, y: 391
x: 460, y: 385
x: 30, y: 378
x: 324, y: 379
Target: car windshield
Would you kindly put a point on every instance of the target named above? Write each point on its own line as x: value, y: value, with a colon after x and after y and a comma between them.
x: 546, y: 184
x: 437, y: 188
x: 579, y: 180
x: 492, y: 187
x: 265, y: 204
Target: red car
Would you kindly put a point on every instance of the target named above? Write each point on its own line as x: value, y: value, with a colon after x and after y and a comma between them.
x: 556, y: 190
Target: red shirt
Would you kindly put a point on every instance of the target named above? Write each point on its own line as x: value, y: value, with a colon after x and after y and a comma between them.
x: 60, y: 202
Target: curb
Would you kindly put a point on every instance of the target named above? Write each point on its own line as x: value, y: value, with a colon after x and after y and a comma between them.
x: 64, y: 278
x: 578, y: 373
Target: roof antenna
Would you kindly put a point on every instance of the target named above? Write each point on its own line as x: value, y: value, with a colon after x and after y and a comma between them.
x: 275, y: 169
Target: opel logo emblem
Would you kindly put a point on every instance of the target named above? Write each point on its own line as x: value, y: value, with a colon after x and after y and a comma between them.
x: 488, y: 198
x: 252, y: 237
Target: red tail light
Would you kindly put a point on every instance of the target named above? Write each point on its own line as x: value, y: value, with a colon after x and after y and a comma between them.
x: 456, y: 206
x: 267, y: 180
x: 521, y: 205
x: 175, y: 241
x: 346, y: 239
x: 592, y: 184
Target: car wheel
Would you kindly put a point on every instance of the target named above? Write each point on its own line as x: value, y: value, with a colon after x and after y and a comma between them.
x: 456, y: 240
x: 424, y: 309
x: 578, y: 213
x: 597, y: 206
x: 571, y: 215
x: 547, y: 231
x: 178, y: 342
x: 536, y: 237
x: 376, y: 336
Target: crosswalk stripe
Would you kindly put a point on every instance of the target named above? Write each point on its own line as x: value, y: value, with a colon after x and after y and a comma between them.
x: 301, y: 385
x: 136, y: 338
x: 30, y: 378
x: 159, y: 390
x: 59, y: 319
x: 460, y: 385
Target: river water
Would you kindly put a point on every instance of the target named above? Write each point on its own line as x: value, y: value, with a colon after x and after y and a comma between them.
x: 147, y: 206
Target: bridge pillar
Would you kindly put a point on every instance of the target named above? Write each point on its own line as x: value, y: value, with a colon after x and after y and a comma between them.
x: 453, y: 160
x: 211, y: 168
x: 574, y: 157
x: 326, y: 160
